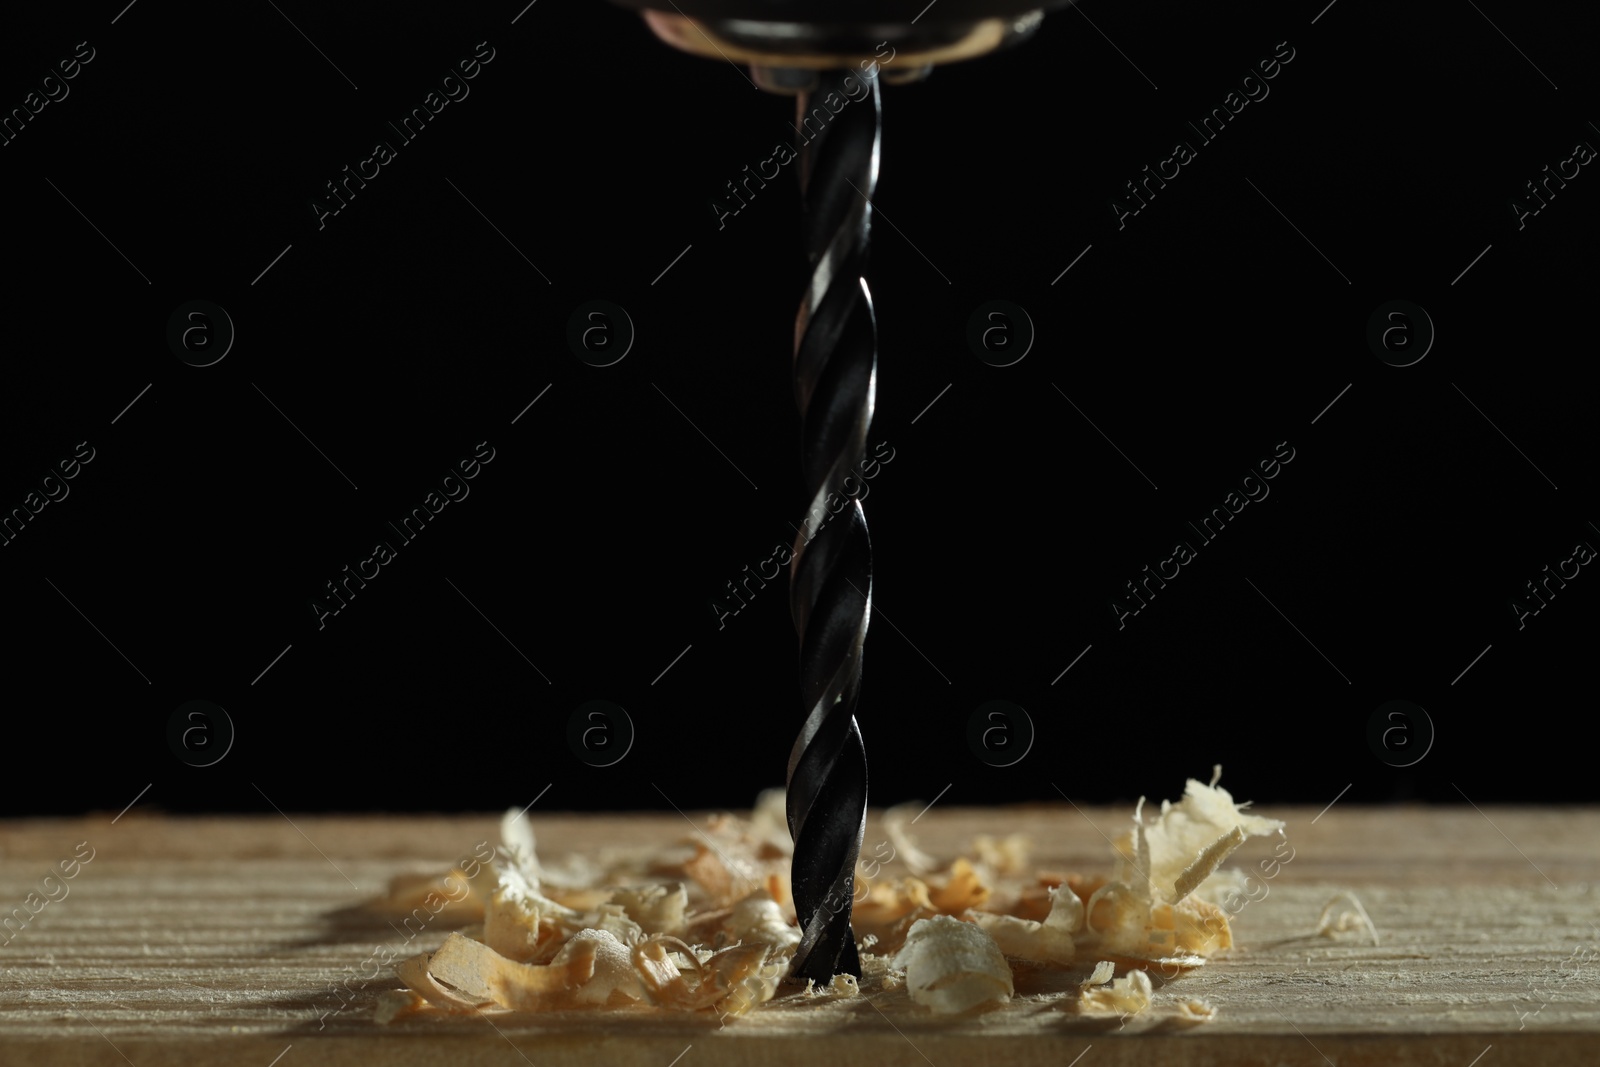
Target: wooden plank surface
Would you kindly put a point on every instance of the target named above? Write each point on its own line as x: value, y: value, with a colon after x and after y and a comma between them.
x: 218, y: 940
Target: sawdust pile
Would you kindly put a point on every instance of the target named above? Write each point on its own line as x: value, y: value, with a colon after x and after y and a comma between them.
x: 707, y: 924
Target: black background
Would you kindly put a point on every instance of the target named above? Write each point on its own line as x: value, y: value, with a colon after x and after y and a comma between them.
x: 1219, y: 321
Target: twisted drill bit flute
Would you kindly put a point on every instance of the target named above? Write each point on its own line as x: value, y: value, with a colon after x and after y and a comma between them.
x: 811, y: 50
x: 830, y: 575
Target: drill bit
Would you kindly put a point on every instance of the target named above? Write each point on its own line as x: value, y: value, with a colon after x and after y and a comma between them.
x: 830, y: 577
x: 791, y: 50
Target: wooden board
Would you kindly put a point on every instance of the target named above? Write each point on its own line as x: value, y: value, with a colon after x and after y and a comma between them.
x: 218, y: 940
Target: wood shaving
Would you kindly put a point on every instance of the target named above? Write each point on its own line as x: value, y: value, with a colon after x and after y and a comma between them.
x: 962, y: 890
x: 1049, y: 941
x: 952, y: 966
x: 1193, y: 1011
x: 1153, y: 911
x: 1208, y: 861
x: 1183, y: 832
x: 1342, y: 914
x: 736, y: 979
x: 397, y: 1004
x: 1128, y: 995
x: 758, y: 919
x: 658, y: 909
x: 712, y: 875
x: 895, y: 821
x: 887, y: 902
x: 516, y: 831
x: 769, y: 823
x: 534, y: 952
x: 414, y: 973
x: 708, y: 924
x: 1007, y: 857
x: 511, y: 926
x: 452, y: 897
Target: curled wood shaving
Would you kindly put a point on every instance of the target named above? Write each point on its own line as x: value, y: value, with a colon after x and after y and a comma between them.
x: 758, y: 918
x: 1193, y: 1011
x: 769, y: 823
x: 895, y: 821
x: 890, y: 907
x: 511, y: 926
x: 470, y: 966
x: 1140, y: 878
x: 736, y: 979
x: 1008, y: 856
x: 1342, y: 914
x: 1066, y: 912
x: 516, y: 831
x: 397, y: 1004
x: 603, y: 964
x: 660, y: 977
x: 1129, y: 995
x: 887, y: 902
x: 1116, y: 915
x: 614, y: 920
x: 454, y: 896
x: 1133, y: 994
x: 718, y: 931
x: 658, y: 909
x: 710, y: 874
x: 414, y: 973
x: 1183, y: 831
x: 953, y: 966
x: 535, y: 953
x: 1199, y: 928
x: 1016, y: 938
x: 1154, y: 909
x: 729, y: 872
x: 1209, y: 860
x: 1050, y: 941
x: 962, y: 890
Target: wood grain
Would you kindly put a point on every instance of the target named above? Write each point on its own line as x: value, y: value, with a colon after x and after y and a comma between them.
x: 217, y: 940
